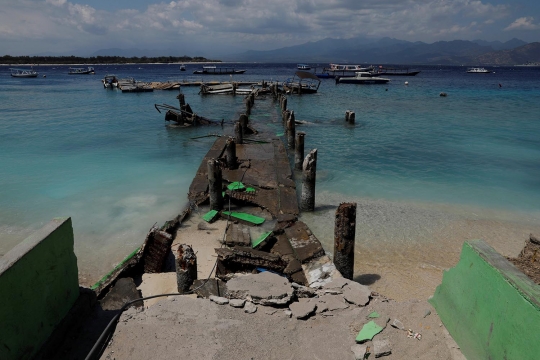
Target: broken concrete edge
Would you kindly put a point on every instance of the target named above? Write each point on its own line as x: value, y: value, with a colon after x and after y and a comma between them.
x: 135, y: 258
x: 260, y: 239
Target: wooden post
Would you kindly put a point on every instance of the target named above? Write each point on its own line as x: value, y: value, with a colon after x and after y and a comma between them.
x: 186, y: 268
x: 344, y: 232
x: 248, y: 106
x: 181, y: 99
x: 284, y: 103
x: 351, y: 117
x: 299, y: 150
x: 347, y: 113
x: 244, y: 119
x: 238, y: 133
x: 284, y: 116
x: 309, y: 171
x: 291, y: 130
x: 231, y: 153
x: 214, y: 185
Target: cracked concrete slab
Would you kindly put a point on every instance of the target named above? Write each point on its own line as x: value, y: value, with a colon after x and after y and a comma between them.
x: 265, y: 288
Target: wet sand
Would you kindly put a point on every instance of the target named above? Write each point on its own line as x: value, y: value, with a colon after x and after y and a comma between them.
x: 402, y: 248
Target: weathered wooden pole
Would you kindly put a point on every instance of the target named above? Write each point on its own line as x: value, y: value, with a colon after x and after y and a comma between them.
x: 186, y: 268
x: 214, y: 185
x: 351, y: 117
x: 244, y: 119
x: 309, y: 171
x: 248, y: 106
x: 284, y: 103
x: 181, y: 99
x: 299, y: 150
x: 347, y: 114
x: 238, y: 133
x: 231, y: 153
x: 344, y: 232
x: 291, y: 130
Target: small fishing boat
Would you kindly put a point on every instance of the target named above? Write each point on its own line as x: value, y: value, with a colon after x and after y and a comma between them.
x: 362, y: 77
x: 110, y: 81
x: 182, y: 67
x: 213, y: 70
x: 23, y: 73
x: 303, y: 67
x: 335, y: 70
x: 81, y: 71
x: 303, y: 82
x: 478, y: 70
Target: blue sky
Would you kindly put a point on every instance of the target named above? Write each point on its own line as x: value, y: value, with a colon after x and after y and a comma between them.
x: 216, y: 27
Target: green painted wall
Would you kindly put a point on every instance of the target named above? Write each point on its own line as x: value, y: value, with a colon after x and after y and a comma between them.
x: 490, y: 308
x: 38, y: 285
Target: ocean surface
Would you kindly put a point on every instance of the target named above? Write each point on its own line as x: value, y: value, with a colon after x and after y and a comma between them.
x: 69, y: 147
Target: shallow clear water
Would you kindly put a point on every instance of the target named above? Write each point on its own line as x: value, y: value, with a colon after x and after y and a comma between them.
x: 71, y: 148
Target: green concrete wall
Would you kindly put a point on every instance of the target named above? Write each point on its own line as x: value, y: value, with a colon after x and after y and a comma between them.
x: 38, y: 285
x: 490, y: 308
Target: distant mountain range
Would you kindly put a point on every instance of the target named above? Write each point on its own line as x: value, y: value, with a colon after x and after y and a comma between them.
x: 394, y: 51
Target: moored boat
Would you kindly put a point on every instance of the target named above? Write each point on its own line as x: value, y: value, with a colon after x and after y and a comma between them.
x: 182, y: 67
x: 362, y: 77
x: 23, y: 73
x: 478, y: 70
x: 303, y: 82
x: 110, y: 81
x: 335, y: 70
x: 395, y: 71
x: 303, y: 67
x: 81, y: 71
x: 213, y: 70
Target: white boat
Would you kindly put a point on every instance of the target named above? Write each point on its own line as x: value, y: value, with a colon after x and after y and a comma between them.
x: 224, y: 89
x: 348, y: 67
x: 182, y: 67
x: 23, y: 73
x: 362, y: 77
x: 303, y: 67
x: 110, y: 81
x: 478, y: 70
x: 81, y: 71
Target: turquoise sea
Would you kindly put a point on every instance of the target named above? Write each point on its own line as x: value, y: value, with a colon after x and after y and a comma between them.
x: 68, y: 147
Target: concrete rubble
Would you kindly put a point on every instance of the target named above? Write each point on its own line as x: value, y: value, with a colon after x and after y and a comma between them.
x: 303, y: 309
x: 264, y: 288
x: 219, y: 300
x: 381, y: 347
x: 249, y: 307
x: 356, y: 293
x: 237, y: 303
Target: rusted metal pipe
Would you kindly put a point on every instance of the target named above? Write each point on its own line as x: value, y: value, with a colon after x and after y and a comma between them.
x: 344, y: 232
x: 309, y: 171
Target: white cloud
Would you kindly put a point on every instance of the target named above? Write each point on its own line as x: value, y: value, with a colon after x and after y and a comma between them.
x: 523, y: 23
x: 236, y: 24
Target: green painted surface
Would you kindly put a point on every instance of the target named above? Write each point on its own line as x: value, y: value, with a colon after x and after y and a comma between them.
x: 236, y: 185
x: 260, y: 239
x: 250, y: 190
x: 38, y: 285
x: 106, y: 276
x: 373, y: 315
x: 489, y: 307
x: 210, y: 216
x: 368, y: 331
x: 245, y: 217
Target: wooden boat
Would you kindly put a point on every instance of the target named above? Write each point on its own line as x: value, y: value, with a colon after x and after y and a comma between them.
x: 23, y: 73
x: 303, y: 67
x: 81, y: 71
x: 213, y: 70
x: 109, y: 81
x: 303, y: 82
x: 363, y: 78
x: 335, y: 70
x: 224, y: 89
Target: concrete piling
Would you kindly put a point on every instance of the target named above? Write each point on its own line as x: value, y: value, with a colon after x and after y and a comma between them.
x: 344, y: 233
x: 232, y: 162
x: 350, y: 116
x: 215, y: 185
x: 186, y: 268
x: 248, y: 106
x: 299, y: 150
x: 291, y: 130
x: 283, y: 103
x: 181, y: 99
x: 309, y: 171
x: 238, y: 133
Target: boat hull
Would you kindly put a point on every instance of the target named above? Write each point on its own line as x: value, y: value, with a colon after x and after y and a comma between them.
x: 218, y: 72
x: 25, y: 76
